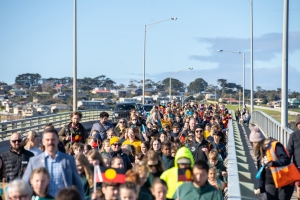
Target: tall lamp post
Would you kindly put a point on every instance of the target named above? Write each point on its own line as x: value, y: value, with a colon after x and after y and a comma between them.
x: 243, y: 55
x: 75, y: 60
x: 170, y: 88
x: 146, y: 27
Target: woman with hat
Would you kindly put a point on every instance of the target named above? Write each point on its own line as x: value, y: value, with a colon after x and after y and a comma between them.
x: 278, y: 174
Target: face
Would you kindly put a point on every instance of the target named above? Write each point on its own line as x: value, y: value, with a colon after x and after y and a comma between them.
x: 118, y: 164
x: 184, y: 166
x: 149, y: 126
x: 144, y: 148
x: 75, y: 120
x: 217, y: 138
x: 93, y: 161
x: 199, y: 133
x: 39, y: 183
x: 77, y: 151
x: 199, y: 176
x: 192, y: 124
x: 162, y: 137
x: 159, y: 191
x: 106, y: 162
x: 166, y: 150
x: 176, y: 130
x: 207, y: 128
x: 116, y: 146
x: 36, y: 141
x: 130, y: 134
x: 186, y: 125
x: 211, y: 175
x: 85, y: 151
x: 103, y: 120
x: 111, y: 192
x: 165, y: 117
x: 126, y: 194
x: 50, y: 142
x: 110, y: 135
x: 122, y: 123
x: 173, y: 153
x: 134, y: 120
x: 152, y: 165
x: 79, y: 167
x: 213, y: 162
x: 18, y: 196
x: 15, y: 141
x: 156, y: 145
x: 107, y: 148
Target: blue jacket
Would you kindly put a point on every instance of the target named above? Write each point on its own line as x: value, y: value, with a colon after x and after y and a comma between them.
x: 70, y: 174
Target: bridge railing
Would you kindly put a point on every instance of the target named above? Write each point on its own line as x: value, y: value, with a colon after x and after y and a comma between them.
x: 38, y: 123
x: 271, y: 127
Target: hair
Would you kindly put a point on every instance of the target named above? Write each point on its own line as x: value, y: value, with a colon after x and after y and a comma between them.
x: 132, y: 176
x: 135, y: 131
x: 31, y: 135
x: 146, y: 143
x: 129, y: 186
x: 49, y: 125
x: 159, y: 181
x: 174, y: 148
x: 51, y: 130
x: 259, y: 148
x: 111, y: 130
x: 105, y: 142
x: 107, y: 184
x: 176, y: 125
x: 116, y: 158
x: 77, y: 145
x: 213, y: 169
x: 166, y: 144
x: 95, y: 155
x: 201, y: 164
x: 20, y: 186
x: 89, y: 147
x: 70, y: 193
x: 87, y: 168
x: 104, y: 114
x: 140, y: 156
x: 213, y: 155
x: 130, y: 148
x: 79, y: 114
x: 151, y: 155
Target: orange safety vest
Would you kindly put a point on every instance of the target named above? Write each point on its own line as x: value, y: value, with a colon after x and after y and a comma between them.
x: 284, y: 175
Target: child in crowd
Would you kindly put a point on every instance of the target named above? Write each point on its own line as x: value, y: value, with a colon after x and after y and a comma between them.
x: 206, y: 133
x: 86, y: 149
x: 77, y: 148
x: 214, y: 181
x: 39, y: 181
x: 95, y: 158
x: 128, y: 191
x: 117, y: 163
x: 167, y: 159
x: 86, y: 174
x: 106, y: 160
x: 159, y: 189
x: 130, y: 151
x: 110, y: 191
x: 105, y: 150
x: 218, y: 145
x: 110, y: 133
x: 213, y: 161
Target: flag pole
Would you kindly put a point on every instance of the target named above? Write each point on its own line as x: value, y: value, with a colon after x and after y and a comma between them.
x: 95, y: 174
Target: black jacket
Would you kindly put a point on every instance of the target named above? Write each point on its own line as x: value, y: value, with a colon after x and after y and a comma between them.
x: 293, y: 147
x: 197, y: 152
x: 168, y: 161
x: 126, y: 160
x: 15, y: 164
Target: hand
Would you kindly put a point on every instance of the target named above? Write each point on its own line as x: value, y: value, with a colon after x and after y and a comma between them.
x: 265, y: 160
x: 256, y: 191
x: 67, y: 138
x: 205, y: 150
x: 224, y: 173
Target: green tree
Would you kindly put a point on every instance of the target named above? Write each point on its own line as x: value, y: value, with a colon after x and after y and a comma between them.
x: 222, y: 83
x: 176, y: 84
x: 197, y: 86
x: 27, y: 80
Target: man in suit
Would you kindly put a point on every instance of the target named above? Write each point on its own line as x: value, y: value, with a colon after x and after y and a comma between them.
x: 62, y: 167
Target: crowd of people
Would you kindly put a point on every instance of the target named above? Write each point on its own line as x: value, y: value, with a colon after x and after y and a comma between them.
x: 151, y: 150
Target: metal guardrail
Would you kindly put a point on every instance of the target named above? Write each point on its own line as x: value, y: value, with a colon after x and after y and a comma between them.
x: 38, y: 123
x: 271, y: 127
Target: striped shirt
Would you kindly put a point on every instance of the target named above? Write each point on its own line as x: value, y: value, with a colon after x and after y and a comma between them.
x: 55, y: 170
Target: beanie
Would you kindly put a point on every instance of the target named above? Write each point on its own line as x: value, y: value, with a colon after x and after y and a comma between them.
x: 114, y: 140
x: 256, y: 135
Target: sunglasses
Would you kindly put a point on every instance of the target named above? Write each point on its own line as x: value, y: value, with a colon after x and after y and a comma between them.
x: 117, y: 144
x: 14, y: 141
x: 199, y: 131
x: 152, y: 165
x: 122, y: 122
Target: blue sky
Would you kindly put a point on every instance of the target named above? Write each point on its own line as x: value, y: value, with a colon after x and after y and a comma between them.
x: 36, y: 36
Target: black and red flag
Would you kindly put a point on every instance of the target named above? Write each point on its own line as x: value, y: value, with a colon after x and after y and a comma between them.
x: 185, y: 175
x: 109, y: 175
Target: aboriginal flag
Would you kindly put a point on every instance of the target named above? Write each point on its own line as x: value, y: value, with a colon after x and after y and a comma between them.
x: 184, y: 175
x: 109, y: 175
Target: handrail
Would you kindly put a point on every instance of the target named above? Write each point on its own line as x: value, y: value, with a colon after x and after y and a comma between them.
x: 37, y: 123
x: 234, y: 190
x: 271, y: 127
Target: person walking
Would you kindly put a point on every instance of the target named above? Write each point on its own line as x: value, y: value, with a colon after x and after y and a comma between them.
x: 15, y: 159
x: 61, y: 167
x: 102, y: 127
x: 278, y: 173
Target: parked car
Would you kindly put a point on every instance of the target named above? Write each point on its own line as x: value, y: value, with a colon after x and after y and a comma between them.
x: 146, y: 108
x: 122, y: 110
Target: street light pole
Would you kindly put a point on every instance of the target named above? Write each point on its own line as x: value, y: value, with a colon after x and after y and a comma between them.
x: 251, y: 54
x: 170, y: 86
x: 144, y: 59
x: 243, y: 56
x: 75, y: 60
